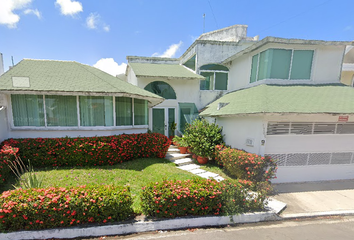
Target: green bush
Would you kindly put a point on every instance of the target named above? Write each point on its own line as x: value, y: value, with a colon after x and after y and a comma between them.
x: 88, y: 151
x: 202, y: 137
x: 198, y: 197
x: 34, y: 209
x: 244, y: 165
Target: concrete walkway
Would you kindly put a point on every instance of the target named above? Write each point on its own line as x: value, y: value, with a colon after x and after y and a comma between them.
x: 316, y: 198
x: 185, y: 162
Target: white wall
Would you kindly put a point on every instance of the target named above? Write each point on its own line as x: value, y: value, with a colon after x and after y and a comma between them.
x: 314, y: 173
x: 3, y: 126
x: 326, y: 66
x: 238, y: 129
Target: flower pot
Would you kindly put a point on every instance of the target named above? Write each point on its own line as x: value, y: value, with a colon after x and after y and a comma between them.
x: 188, y: 150
x: 171, y: 137
x: 202, y: 160
x: 194, y: 156
x: 183, y: 150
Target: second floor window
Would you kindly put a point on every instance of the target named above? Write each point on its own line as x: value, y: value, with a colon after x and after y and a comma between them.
x: 284, y: 64
x: 216, y: 77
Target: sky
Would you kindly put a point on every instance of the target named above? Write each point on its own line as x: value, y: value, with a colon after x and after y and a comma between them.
x: 102, y: 33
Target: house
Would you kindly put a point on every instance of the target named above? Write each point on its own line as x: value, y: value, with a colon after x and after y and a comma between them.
x: 45, y: 98
x: 275, y: 96
x: 190, y: 82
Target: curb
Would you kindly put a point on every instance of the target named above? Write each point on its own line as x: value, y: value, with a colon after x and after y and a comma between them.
x: 122, y: 229
x: 317, y: 214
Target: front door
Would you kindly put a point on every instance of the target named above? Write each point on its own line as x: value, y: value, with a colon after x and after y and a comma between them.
x: 162, y: 120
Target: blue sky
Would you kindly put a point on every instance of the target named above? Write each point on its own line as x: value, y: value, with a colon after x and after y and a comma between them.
x: 103, y: 33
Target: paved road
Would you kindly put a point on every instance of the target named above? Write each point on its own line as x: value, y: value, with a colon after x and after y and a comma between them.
x: 329, y: 228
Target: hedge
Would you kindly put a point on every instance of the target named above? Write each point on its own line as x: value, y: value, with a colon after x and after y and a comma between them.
x: 198, y: 197
x: 87, y: 151
x: 244, y: 165
x: 34, y: 209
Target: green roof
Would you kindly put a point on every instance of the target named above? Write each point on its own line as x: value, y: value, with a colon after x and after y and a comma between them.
x: 69, y: 76
x: 306, y: 99
x: 170, y: 71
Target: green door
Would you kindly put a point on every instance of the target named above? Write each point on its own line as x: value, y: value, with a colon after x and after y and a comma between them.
x: 158, y: 120
x: 162, y: 120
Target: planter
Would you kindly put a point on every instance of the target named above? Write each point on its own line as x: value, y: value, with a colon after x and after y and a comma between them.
x: 188, y: 150
x: 194, y: 156
x: 202, y: 160
x: 183, y: 150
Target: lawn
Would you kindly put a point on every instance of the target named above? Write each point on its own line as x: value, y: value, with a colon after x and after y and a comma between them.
x: 136, y: 174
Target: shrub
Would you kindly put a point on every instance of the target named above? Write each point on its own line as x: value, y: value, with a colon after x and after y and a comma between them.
x: 90, y: 151
x: 202, y: 137
x: 169, y: 199
x: 34, y: 209
x: 244, y: 165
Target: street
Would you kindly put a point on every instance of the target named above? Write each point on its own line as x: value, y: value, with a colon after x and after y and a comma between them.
x: 326, y: 228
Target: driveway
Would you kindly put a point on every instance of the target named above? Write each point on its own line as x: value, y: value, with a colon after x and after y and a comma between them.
x: 316, y: 197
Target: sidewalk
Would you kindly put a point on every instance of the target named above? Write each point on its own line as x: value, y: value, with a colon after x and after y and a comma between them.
x: 316, y: 198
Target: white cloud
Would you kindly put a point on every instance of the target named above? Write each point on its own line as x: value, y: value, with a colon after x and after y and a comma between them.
x: 7, y: 15
x: 107, y: 28
x: 91, y: 20
x: 170, y: 52
x: 109, y: 66
x: 94, y: 21
x: 69, y: 7
x: 34, y: 12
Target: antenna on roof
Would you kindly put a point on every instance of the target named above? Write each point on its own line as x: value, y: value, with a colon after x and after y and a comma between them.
x: 204, y: 23
x: 12, y: 59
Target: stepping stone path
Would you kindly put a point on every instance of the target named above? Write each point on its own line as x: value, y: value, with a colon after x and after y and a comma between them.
x: 185, y: 162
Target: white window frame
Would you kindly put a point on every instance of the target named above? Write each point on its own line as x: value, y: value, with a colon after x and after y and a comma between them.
x: 291, y: 64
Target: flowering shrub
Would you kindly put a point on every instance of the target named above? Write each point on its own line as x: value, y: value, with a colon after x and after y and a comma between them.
x: 89, y: 151
x: 202, y: 137
x: 244, y: 165
x: 62, y: 207
x: 197, y: 197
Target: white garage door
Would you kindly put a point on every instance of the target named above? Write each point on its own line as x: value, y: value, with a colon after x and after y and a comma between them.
x: 311, y: 151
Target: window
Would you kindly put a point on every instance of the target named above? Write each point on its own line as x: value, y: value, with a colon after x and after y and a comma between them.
x: 282, y: 64
x: 190, y: 63
x: 28, y: 110
x: 215, y: 77
x: 73, y: 111
x: 124, y: 112
x: 140, y: 112
x: 188, y: 112
x: 61, y: 110
x: 162, y: 89
x: 96, y: 111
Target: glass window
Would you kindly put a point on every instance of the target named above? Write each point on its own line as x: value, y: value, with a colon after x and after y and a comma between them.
x: 28, y: 110
x: 96, y: 111
x: 221, y: 83
x: 302, y: 63
x: 254, y: 68
x: 282, y: 64
x: 162, y: 89
x: 188, y: 112
x: 279, y: 63
x: 61, y: 110
x: 141, y: 114
x: 190, y: 63
x: 208, y: 83
x: 215, y: 77
x: 124, y: 114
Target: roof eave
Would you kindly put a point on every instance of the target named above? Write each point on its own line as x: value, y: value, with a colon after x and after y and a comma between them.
x: 268, y: 40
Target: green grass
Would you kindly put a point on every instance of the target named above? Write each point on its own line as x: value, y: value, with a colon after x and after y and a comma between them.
x: 136, y: 174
